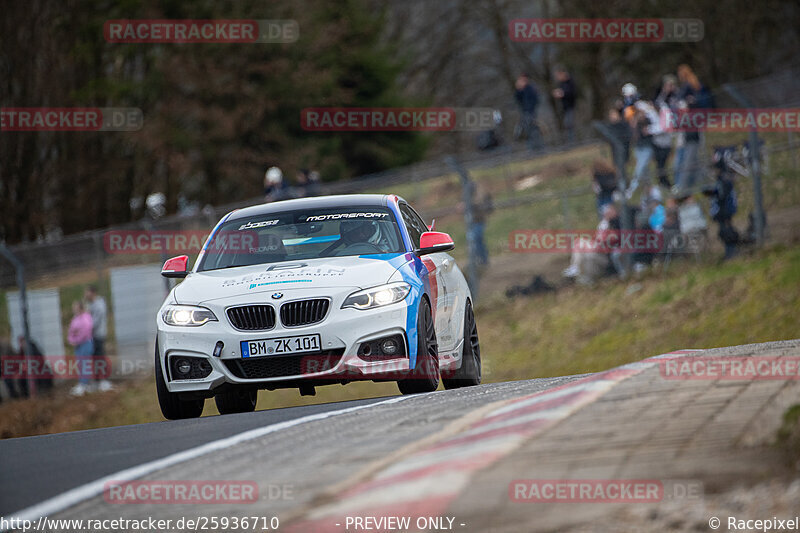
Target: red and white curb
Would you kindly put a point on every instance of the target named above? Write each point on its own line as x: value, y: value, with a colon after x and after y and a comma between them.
x: 427, y: 481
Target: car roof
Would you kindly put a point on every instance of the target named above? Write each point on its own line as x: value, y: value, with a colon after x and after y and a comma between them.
x: 315, y: 202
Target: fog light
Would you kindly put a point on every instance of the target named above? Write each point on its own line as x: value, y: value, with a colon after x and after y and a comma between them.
x: 183, y: 366
x: 389, y: 346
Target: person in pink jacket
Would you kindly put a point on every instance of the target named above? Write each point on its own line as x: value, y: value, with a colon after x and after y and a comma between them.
x: 80, y: 337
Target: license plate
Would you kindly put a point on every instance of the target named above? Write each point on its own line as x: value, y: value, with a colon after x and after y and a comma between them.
x: 281, y: 346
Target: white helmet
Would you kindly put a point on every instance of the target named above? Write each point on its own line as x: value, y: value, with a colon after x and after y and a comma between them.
x: 274, y: 176
x: 155, y: 200
x: 629, y: 90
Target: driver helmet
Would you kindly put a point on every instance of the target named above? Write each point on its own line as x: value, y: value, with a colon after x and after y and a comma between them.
x: 357, y: 231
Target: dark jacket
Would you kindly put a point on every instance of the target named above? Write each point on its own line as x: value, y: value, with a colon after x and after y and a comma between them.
x: 527, y: 98
x: 700, y: 99
x: 607, y: 181
x: 723, y: 200
x: 570, y: 93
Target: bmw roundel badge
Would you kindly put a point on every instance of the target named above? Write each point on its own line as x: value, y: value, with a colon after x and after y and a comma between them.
x: 277, y: 296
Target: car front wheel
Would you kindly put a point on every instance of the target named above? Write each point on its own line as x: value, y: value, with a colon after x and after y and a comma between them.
x: 425, y: 376
x: 469, y: 373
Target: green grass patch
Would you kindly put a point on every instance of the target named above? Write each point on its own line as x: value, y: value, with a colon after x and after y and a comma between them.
x: 580, y: 330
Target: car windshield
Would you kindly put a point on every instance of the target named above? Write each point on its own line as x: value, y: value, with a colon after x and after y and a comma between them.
x: 302, y: 234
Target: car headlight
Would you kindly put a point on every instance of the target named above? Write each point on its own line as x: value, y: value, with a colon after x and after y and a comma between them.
x: 187, y: 315
x: 378, y: 296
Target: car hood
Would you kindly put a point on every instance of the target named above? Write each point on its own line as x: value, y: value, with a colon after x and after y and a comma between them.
x: 357, y: 272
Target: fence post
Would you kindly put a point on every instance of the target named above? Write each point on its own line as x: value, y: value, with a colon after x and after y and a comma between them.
x: 19, y: 269
x: 755, y: 165
x: 467, y: 189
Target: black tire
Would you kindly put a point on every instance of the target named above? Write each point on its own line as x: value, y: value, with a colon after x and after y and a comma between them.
x: 236, y: 401
x: 173, y: 407
x: 425, y: 376
x: 470, y: 372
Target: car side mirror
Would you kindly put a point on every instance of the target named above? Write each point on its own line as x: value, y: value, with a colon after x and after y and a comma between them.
x: 434, y: 241
x: 177, y: 267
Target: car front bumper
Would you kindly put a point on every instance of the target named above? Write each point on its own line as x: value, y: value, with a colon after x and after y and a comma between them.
x: 342, y: 331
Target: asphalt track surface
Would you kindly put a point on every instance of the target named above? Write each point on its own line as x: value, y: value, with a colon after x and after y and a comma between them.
x: 311, y: 447
x: 37, y: 468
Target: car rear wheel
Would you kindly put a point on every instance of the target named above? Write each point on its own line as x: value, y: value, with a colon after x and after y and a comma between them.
x: 236, y: 401
x: 173, y: 406
x: 469, y: 373
x: 425, y: 376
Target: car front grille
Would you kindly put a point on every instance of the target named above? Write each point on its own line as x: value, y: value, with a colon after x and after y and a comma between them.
x: 252, y: 317
x: 284, y: 366
x: 304, y: 312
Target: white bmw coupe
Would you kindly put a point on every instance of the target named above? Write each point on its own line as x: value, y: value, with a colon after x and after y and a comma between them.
x: 314, y: 291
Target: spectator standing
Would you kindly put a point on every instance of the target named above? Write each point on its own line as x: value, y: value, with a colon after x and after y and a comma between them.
x: 645, y: 123
x: 667, y: 98
x: 566, y: 93
x: 99, y: 311
x: 621, y: 131
x: 79, y: 337
x: 527, y: 98
x: 665, y: 103
x: 630, y: 95
x: 692, y: 95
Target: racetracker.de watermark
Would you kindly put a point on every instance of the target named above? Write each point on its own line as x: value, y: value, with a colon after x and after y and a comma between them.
x: 397, y: 118
x: 603, y: 490
x: 754, y: 368
x: 177, y: 242
x: 180, y: 492
x: 64, y: 367
x: 25, y: 367
x: 585, y: 241
x: 731, y: 120
x: 201, y: 31
x: 71, y: 119
x: 610, y: 30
